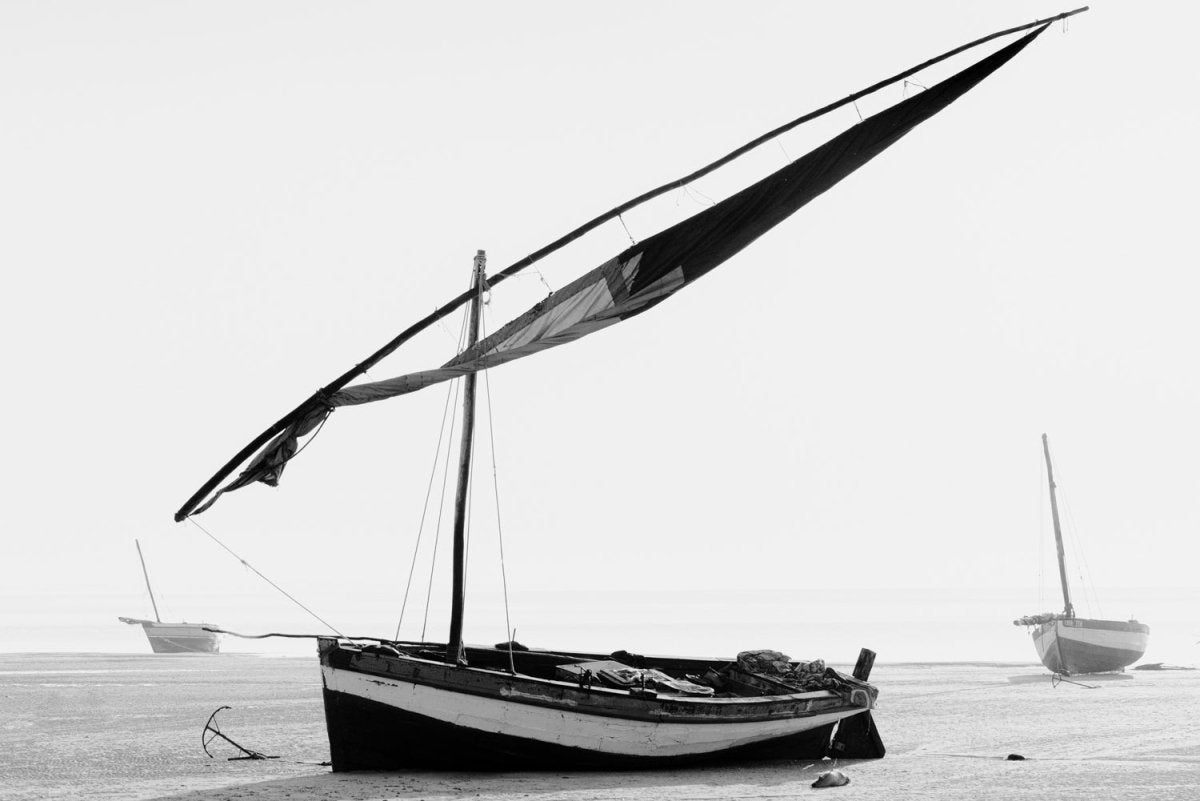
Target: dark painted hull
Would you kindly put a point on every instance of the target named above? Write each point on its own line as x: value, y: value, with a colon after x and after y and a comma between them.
x: 1075, y: 646
x: 366, y: 735
x: 398, y: 712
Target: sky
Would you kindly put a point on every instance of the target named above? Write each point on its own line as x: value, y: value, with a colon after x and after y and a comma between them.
x: 211, y: 209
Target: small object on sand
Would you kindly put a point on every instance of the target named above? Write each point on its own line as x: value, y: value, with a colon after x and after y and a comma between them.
x: 831, y: 778
x: 1014, y: 758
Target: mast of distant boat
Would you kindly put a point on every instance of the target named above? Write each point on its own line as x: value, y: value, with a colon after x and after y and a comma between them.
x: 147, y: 575
x: 1068, y: 609
x: 454, y: 645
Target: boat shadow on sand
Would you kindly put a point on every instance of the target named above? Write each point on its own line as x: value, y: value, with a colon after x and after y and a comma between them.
x: 368, y: 785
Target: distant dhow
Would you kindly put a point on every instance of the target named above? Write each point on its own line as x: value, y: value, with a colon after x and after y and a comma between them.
x: 1071, y: 645
x: 173, y: 638
x: 178, y: 638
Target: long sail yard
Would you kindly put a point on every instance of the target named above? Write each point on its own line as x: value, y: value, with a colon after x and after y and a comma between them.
x: 641, y: 276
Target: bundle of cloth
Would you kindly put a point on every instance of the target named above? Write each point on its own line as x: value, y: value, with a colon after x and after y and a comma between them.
x: 803, y: 676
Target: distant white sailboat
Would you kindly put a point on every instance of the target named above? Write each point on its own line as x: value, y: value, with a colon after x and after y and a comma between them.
x: 1070, y: 645
x: 173, y: 638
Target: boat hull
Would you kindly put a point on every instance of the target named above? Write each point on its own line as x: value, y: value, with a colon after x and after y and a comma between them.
x: 387, y: 713
x: 179, y: 638
x: 1079, y: 645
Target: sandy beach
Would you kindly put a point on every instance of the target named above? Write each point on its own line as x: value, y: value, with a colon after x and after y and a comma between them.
x: 658, y: 327
x: 128, y: 727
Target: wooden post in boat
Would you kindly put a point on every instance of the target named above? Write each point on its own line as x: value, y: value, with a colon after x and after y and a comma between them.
x: 1068, y: 609
x: 147, y: 575
x: 454, y: 645
x: 866, y: 661
x: 857, y: 737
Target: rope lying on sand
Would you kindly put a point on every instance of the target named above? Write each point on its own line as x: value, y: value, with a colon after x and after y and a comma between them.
x: 216, y: 630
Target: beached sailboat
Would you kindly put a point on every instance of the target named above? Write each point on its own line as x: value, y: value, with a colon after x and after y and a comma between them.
x: 173, y: 638
x: 1071, y: 645
x: 418, y: 704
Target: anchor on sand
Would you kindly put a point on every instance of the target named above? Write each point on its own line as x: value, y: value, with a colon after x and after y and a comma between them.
x: 212, y: 731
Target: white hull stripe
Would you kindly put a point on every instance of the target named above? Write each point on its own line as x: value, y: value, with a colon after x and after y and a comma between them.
x: 564, y: 727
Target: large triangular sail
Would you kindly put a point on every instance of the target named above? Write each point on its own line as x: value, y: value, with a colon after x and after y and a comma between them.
x: 643, y: 275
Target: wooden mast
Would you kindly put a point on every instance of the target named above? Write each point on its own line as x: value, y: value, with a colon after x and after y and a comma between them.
x: 454, y: 645
x: 1068, y: 609
x: 147, y: 576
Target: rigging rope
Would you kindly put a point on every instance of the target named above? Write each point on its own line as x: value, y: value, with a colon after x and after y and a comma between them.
x: 310, y: 439
x: 1041, y: 532
x: 693, y: 193
x: 445, y: 480
x: 437, y: 452
x: 509, y: 634
x: 549, y: 289
x: 438, y: 531
x: 1082, y: 569
x: 451, y: 400
x: 621, y: 217
x: 288, y: 595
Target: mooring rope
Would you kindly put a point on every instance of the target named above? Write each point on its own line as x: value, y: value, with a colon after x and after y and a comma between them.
x: 257, y: 572
x: 216, y: 630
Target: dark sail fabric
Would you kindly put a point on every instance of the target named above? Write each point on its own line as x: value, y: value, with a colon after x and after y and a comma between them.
x: 648, y: 273
x: 268, y: 465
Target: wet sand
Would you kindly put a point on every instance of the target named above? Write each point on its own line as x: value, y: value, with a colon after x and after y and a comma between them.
x: 128, y: 727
